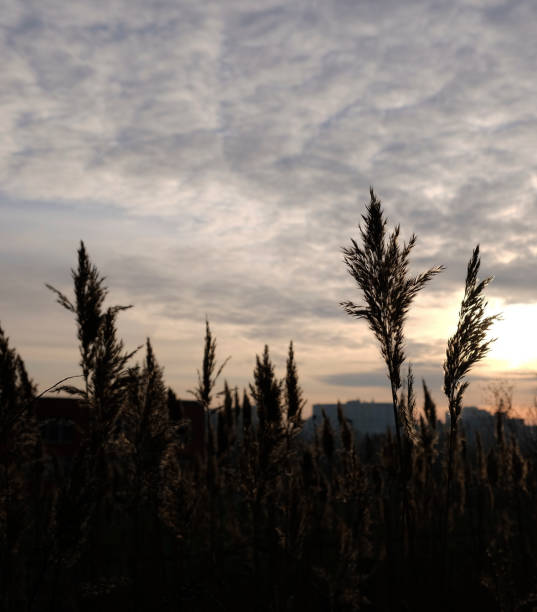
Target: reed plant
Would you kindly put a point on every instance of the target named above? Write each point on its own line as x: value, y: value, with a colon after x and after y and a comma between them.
x: 380, y: 269
x: 465, y: 348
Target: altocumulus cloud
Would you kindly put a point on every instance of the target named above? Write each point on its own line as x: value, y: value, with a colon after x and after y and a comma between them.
x: 212, y: 155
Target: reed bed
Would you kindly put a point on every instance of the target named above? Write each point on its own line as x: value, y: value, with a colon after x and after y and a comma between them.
x: 264, y: 518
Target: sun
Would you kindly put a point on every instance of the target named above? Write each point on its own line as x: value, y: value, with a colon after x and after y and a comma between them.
x: 516, y: 333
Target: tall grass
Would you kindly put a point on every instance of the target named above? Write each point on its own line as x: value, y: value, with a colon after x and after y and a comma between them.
x: 265, y: 518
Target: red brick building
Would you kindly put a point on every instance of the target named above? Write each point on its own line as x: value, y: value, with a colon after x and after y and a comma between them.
x: 63, y: 420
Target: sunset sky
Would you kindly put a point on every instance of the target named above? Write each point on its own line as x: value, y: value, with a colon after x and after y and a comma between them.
x: 216, y: 156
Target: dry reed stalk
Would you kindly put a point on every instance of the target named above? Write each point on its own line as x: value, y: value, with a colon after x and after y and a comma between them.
x: 380, y: 269
x: 465, y: 348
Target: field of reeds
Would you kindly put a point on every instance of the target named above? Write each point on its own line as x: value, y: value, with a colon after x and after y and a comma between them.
x: 263, y: 518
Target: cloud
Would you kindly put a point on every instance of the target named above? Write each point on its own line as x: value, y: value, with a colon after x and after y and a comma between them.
x: 216, y: 156
x: 375, y: 378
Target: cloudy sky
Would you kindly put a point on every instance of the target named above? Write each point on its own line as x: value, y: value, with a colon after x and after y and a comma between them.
x: 216, y: 156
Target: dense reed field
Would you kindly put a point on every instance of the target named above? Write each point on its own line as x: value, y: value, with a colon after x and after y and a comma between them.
x: 263, y: 518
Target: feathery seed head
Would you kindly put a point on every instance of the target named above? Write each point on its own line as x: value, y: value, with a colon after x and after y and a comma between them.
x: 468, y: 345
x: 380, y: 269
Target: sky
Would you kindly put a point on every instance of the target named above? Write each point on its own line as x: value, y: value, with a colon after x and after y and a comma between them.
x: 216, y: 156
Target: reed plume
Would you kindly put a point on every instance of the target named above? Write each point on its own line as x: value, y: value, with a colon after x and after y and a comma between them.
x: 380, y: 269
x: 293, y: 394
x: 468, y: 345
x: 207, y: 378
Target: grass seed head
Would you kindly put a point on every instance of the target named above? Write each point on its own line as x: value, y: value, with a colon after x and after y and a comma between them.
x: 468, y: 345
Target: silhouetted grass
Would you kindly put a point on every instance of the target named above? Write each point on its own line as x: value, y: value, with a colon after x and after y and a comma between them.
x: 264, y: 518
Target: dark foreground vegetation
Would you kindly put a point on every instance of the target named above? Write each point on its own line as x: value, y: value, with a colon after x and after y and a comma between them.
x: 262, y: 518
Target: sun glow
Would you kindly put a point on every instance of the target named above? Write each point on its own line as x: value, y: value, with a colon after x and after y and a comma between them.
x: 516, y: 333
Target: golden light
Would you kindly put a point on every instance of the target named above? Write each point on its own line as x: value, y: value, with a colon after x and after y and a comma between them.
x: 516, y: 333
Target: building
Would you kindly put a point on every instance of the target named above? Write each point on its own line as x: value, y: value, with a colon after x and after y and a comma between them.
x: 64, y: 420
x: 473, y: 420
x: 192, y: 411
x: 364, y: 417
